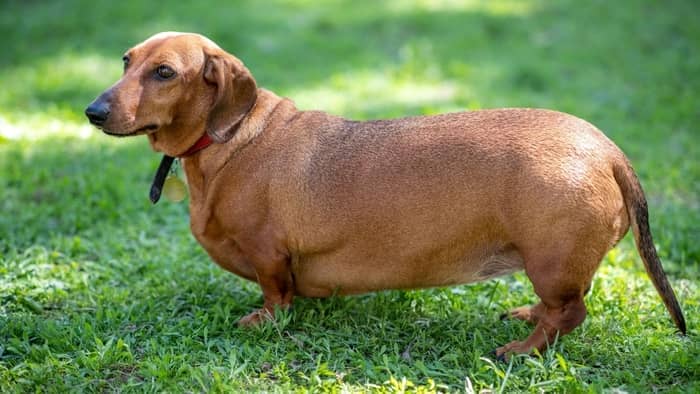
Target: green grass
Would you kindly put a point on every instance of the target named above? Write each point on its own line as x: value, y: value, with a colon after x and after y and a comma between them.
x: 100, y: 291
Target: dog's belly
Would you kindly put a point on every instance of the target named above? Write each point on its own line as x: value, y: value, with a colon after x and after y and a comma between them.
x: 349, y: 272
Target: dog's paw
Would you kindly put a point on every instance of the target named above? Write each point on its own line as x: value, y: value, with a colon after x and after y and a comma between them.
x: 254, y: 318
x: 524, y: 313
x: 501, y: 358
x: 505, y: 352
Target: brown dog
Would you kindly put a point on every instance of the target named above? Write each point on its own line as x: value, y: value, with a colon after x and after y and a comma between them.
x: 306, y: 203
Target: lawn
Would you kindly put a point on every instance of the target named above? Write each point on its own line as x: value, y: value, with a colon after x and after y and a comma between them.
x: 101, y: 291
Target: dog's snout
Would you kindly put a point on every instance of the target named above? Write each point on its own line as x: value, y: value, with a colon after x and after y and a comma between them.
x: 98, y: 112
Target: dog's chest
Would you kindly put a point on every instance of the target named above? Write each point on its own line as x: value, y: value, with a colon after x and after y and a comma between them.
x: 223, y: 250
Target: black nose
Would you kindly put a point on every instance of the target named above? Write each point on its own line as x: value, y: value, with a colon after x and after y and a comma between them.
x: 97, y: 112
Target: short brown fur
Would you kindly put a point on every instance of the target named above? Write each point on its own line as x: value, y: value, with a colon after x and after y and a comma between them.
x: 306, y: 203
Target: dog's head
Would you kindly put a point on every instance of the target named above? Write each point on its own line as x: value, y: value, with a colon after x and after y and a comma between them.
x: 175, y: 87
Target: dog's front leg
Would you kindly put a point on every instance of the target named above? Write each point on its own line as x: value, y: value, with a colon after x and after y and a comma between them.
x: 277, y: 284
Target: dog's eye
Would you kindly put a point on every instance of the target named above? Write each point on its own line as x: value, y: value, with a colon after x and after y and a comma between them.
x: 164, y: 72
x: 126, y: 59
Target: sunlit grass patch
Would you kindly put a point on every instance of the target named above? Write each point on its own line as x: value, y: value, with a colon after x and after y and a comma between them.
x: 361, y: 93
x: 46, y: 99
x: 55, y: 86
x: 43, y: 125
x: 508, y: 7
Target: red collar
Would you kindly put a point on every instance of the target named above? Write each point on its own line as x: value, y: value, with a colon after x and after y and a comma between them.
x: 166, y: 163
x: 201, y: 143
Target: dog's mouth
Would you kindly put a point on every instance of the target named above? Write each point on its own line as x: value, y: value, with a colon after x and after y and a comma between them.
x: 143, y: 130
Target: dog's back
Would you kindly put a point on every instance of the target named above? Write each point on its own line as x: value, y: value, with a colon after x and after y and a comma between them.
x: 437, y: 200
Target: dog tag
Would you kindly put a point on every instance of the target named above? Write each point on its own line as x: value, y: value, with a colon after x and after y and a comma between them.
x: 174, y: 189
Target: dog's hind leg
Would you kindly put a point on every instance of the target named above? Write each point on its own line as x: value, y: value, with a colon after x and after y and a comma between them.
x: 561, y: 277
x: 529, y: 313
x: 559, y: 318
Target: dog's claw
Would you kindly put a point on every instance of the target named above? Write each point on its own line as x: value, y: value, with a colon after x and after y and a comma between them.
x: 499, y: 358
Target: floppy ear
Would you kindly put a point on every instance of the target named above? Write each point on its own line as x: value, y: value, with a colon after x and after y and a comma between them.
x: 236, y: 93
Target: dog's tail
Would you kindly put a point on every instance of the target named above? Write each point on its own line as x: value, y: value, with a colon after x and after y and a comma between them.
x: 639, y: 220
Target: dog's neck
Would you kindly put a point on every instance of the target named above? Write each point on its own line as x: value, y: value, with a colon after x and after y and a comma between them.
x: 201, y: 166
x: 203, y: 142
